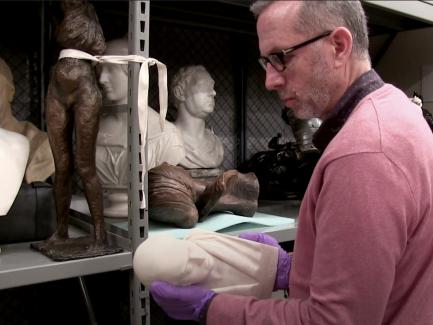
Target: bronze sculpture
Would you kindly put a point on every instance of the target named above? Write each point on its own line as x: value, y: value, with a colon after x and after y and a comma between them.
x: 177, y: 198
x: 73, y: 102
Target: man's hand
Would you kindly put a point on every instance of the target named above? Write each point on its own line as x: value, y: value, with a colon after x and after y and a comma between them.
x: 284, y: 259
x: 181, y: 302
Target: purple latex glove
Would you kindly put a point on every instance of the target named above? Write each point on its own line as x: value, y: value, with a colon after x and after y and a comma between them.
x: 182, y: 302
x: 284, y: 259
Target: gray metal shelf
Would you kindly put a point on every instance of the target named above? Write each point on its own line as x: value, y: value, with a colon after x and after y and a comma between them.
x: 280, y: 233
x: 282, y: 208
x: 20, y: 265
x: 118, y: 227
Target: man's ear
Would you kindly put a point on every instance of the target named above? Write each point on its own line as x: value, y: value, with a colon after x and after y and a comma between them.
x: 342, y: 42
x: 178, y: 93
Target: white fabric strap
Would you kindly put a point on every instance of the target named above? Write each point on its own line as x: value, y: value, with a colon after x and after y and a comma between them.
x: 143, y: 89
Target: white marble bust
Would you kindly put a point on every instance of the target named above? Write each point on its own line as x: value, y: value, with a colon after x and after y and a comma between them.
x: 193, y: 95
x: 40, y: 164
x: 111, y: 145
x: 14, y: 151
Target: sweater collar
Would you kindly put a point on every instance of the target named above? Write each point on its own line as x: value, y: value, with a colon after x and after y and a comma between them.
x: 364, y: 85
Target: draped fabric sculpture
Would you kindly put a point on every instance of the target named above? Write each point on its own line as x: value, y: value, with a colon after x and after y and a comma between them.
x: 177, y: 198
x: 220, y: 262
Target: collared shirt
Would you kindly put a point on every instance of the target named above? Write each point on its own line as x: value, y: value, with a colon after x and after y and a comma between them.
x: 364, y: 85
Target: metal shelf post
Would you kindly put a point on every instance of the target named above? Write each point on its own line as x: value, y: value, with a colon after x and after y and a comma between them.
x: 138, y: 40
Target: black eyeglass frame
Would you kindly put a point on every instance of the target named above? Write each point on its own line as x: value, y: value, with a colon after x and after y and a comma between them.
x: 277, y: 59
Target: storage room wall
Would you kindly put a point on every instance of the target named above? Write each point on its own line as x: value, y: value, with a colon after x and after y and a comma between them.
x: 408, y: 64
x: 20, y: 48
x: 231, y: 59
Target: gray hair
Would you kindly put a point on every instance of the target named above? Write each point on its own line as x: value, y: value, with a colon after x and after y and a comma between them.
x: 183, y: 78
x: 319, y: 16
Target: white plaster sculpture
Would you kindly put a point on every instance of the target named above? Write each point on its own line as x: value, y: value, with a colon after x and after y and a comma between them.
x: 111, y: 145
x: 216, y: 261
x: 14, y: 152
x: 193, y: 95
x: 40, y: 164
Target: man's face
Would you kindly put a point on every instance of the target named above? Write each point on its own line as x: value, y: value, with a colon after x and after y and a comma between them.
x: 200, y: 95
x: 114, y: 83
x: 305, y: 84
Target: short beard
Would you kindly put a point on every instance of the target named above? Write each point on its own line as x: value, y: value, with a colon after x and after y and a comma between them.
x: 319, y: 92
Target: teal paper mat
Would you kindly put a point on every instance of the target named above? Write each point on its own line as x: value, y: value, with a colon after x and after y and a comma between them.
x: 224, y: 222
x: 219, y: 222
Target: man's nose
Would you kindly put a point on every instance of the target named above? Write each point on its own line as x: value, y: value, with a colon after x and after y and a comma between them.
x: 274, y: 79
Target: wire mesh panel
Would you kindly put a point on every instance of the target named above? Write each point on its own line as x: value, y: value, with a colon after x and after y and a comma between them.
x: 25, y: 105
x: 231, y: 58
x: 178, y: 46
x: 20, y: 49
x: 263, y: 108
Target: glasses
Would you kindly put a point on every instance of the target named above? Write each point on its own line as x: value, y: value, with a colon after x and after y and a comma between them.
x: 277, y: 59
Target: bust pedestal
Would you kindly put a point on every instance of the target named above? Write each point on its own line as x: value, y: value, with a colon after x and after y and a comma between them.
x: 116, y: 203
x: 112, y: 163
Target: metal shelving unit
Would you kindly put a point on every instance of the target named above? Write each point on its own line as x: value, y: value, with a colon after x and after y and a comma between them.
x: 20, y: 265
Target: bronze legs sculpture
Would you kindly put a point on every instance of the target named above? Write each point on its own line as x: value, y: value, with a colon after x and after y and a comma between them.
x: 73, y: 102
x: 74, y: 99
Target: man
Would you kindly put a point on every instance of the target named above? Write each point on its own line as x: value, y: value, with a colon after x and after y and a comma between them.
x: 364, y: 241
x: 193, y: 95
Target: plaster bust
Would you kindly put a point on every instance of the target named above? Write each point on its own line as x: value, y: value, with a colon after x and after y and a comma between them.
x: 111, y: 146
x: 40, y: 164
x: 14, y: 151
x: 193, y: 95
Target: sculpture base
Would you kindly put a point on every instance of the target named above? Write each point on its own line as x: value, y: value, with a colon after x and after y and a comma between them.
x: 74, y: 248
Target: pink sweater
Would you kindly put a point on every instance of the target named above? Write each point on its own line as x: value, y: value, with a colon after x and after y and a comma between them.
x: 364, y: 248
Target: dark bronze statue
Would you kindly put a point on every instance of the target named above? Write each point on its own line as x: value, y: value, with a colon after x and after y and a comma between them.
x: 73, y: 102
x: 285, y: 170
x: 177, y: 198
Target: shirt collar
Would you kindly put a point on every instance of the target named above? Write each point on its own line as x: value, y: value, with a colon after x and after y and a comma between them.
x: 364, y: 85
